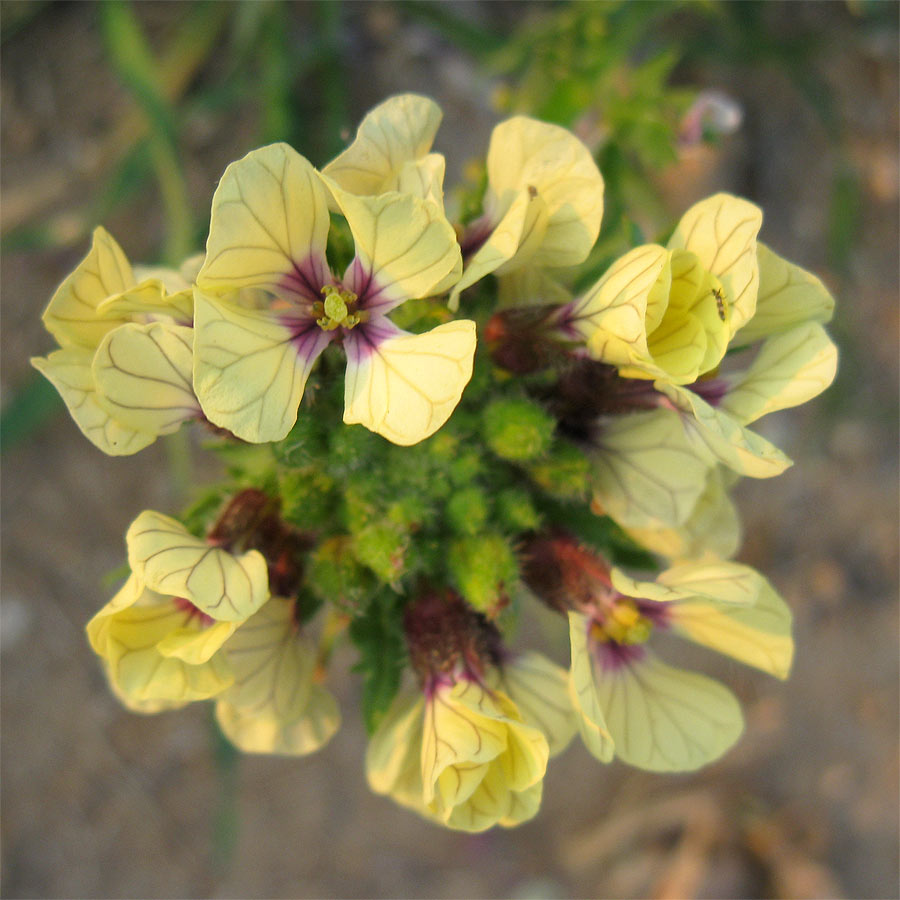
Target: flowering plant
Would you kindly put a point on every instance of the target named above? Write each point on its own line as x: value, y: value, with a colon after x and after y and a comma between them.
x: 503, y: 434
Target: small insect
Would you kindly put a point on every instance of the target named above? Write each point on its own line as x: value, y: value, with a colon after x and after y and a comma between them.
x: 720, y: 302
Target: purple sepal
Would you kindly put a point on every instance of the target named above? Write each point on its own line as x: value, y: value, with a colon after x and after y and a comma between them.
x: 712, y: 390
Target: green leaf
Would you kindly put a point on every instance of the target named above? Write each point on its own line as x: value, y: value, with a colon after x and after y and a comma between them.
x: 378, y: 635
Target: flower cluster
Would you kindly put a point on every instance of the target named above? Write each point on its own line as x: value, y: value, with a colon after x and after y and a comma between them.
x: 571, y: 447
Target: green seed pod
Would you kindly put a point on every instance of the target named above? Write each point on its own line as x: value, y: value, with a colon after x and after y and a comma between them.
x: 336, y: 577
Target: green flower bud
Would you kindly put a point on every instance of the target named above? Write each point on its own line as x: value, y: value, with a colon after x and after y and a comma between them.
x: 382, y: 547
x: 517, y: 429
x: 516, y: 511
x: 336, y: 577
x: 483, y: 568
x: 467, y: 511
x: 564, y: 474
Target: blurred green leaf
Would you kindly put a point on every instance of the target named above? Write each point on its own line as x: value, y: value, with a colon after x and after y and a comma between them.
x: 30, y: 407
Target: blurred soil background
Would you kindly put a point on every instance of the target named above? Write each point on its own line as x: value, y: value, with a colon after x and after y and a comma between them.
x: 98, y: 802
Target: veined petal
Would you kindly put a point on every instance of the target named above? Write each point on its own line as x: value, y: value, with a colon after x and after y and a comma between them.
x: 536, y: 157
x: 269, y: 226
x: 273, y: 664
x: 98, y: 627
x: 135, y: 666
x: 788, y: 296
x: 735, y: 446
x: 758, y: 634
x: 405, y: 386
x: 196, y: 645
x: 170, y: 560
x: 394, y: 754
x: 251, y: 366
x: 790, y: 368
x: 149, y: 299
x: 713, y: 527
x: 397, y: 131
x: 71, y: 316
x: 463, y: 728
x: 265, y: 732
x: 645, y: 469
x: 721, y: 230
x: 69, y: 370
x: 143, y: 375
x: 540, y: 691
x: 666, y: 719
x: 612, y: 315
x: 719, y: 580
x: 521, y: 228
x: 423, y: 178
x: 405, y: 247
x: 583, y: 692
x: 678, y: 347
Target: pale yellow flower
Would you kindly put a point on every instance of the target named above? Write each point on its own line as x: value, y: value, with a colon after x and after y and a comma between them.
x: 124, y: 363
x: 161, y: 636
x: 269, y: 228
x: 463, y: 755
x: 543, y: 204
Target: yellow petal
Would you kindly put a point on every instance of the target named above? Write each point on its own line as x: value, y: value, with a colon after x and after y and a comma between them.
x: 98, y: 627
x: 265, y: 732
x: 758, y: 634
x: 464, y: 727
x: 136, y: 667
x: 540, y: 691
x: 526, y: 155
x: 516, y: 236
x: 143, y: 376
x: 251, y: 366
x: 69, y: 370
x: 405, y: 247
x: 397, y: 131
x: 423, y: 178
x: 788, y: 296
x: 405, y: 386
x: 71, y: 316
x: 645, y: 469
x: 170, y: 560
x: 790, y: 368
x: 394, y: 754
x: 678, y: 347
x: 583, y: 692
x: 612, y: 315
x: 273, y: 664
x: 712, y: 527
x: 665, y: 719
x: 149, y: 299
x: 269, y: 226
x: 719, y: 580
x: 742, y: 450
x: 196, y: 645
x: 721, y: 230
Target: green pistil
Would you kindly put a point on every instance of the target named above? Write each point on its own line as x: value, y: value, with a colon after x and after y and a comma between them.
x: 623, y: 624
x: 338, y: 310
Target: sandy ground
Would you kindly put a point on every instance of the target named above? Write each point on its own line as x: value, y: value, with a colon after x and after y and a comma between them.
x: 98, y: 802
